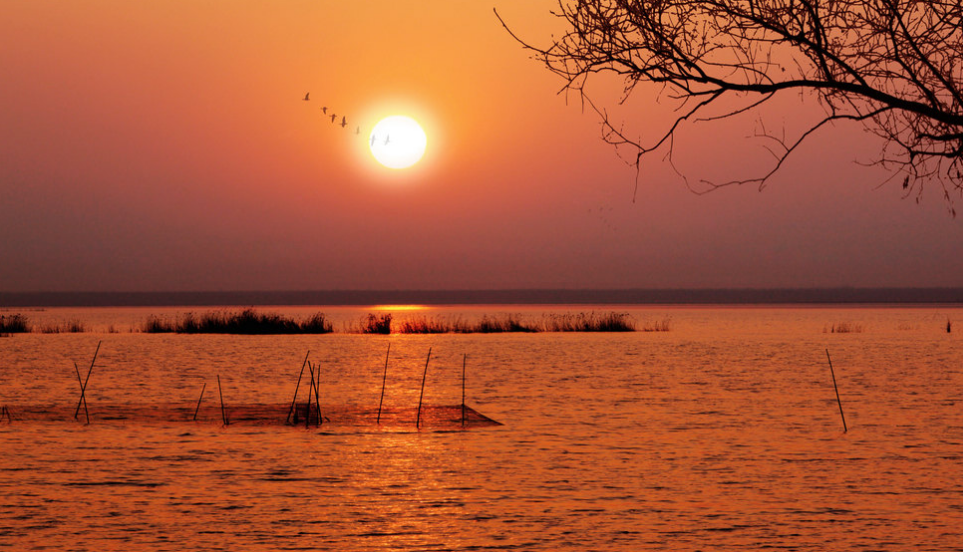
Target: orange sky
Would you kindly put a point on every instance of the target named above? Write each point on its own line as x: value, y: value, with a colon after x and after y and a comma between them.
x: 163, y: 145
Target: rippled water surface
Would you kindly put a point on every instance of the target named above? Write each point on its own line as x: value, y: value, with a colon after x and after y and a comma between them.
x: 720, y: 434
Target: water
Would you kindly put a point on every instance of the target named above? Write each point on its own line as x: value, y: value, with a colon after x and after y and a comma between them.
x: 722, y: 433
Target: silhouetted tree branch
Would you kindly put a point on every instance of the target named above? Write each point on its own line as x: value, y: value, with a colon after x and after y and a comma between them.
x: 896, y: 66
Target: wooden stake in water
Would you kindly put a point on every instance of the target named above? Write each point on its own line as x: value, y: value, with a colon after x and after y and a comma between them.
x: 384, y: 380
x: 297, y: 387
x: 307, y: 412
x: 221, y: 394
x: 83, y: 388
x: 422, y: 396
x: 464, y: 361
x: 317, y: 394
x: 199, y: 400
x: 839, y: 402
x: 81, y: 384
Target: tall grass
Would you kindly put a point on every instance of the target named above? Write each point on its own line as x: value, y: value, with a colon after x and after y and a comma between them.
x: 663, y: 325
x: 245, y: 322
x: 487, y: 324
x: 843, y: 327
x: 71, y: 326
x: 589, y: 322
x: 14, y: 323
x: 373, y: 324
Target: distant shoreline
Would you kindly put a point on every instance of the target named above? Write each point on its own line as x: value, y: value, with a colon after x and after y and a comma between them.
x: 787, y: 296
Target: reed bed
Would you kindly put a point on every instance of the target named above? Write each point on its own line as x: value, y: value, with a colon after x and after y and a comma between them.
x: 589, y: 322
x: 663, y: 325
x: 245, y: 322
x: 70, y: 326
x: 487, y: 324
x: 14, y: 323
x: 843, y: 327
x: 374, y: 324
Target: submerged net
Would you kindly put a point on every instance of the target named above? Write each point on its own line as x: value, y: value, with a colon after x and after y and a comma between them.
x: 434, y: 417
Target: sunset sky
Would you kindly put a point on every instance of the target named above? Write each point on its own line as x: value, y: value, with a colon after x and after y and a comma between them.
x: 164, y: 146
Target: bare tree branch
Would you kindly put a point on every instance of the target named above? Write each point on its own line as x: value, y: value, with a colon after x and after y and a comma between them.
x: 895, y: 66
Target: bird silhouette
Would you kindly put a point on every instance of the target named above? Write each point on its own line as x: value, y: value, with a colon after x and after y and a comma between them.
x: 333, y: 116
x: 387, y: 139
x: 372, y: 139
x: 358, y: 130
x: 306, y: 98
x: 344, y: 122
x: 324, y: 110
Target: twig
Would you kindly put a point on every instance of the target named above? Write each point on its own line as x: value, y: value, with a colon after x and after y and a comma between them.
x: 199, y: 400
x: 422, y: 396
x: 82, y: 398
x: 839, y: 402
x: 307, y: 412
x: 221, y: 394
x: 384, y: 380
x: 83, y: 388
x: 297, y: 387
x: 317, y: 394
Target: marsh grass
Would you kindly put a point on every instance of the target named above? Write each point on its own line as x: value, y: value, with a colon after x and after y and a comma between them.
x: 487, y: 324
x: 589, y: 322
x: 374, y: 324
x: 245, y: 322
x: 843, y: 327
x: 14, y: 323
x: 70, y: 326
x: 663, y: 325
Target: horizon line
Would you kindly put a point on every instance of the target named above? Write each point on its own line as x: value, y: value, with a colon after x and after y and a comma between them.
x: 504, y: 296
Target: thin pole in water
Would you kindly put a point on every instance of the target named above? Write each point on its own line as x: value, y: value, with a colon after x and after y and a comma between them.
x: 82, y: 398
x: 307, y: 412
x: 384, y: 380
x: 297, y: 387
x: 464, y: 361
x: 422, y: 396
x: 839, y: 402
x: 219, y: 392
x: 317, y: 394
x: 83, y: 388
x: 199, y: 401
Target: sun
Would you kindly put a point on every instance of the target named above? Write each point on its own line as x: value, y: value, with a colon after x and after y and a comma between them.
x: 398, y: 142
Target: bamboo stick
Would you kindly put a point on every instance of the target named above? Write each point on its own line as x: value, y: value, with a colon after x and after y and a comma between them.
x: 422, y: 396
x: 307, y: 413
x: 297, y: 387
x: 221, y: 393
x: 464, y: 361
x: 83, y: 388
x: 199, y: 401
x: 384, y: 380
x: 82, y: 398
x: 839, y: 402
x: 317, y: 394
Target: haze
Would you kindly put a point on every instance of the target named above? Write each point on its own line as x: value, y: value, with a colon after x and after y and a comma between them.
x: 164, y: 146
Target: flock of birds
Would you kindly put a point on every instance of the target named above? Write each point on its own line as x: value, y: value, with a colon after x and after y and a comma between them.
x: 344, y: 121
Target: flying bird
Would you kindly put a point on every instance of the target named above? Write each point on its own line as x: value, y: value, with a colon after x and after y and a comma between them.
x: 333, y: 116
x: 387, y: 138
x: 344, y: 123
x: 324, y: 110
x: 372, y: 139
x: 306, y: 98
x: 358, y: 130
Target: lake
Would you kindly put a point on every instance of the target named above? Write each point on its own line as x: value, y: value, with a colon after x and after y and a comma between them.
x: 722, y: 433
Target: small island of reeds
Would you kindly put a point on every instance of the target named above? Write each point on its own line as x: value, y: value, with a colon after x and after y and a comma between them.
x: 245, y: 322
